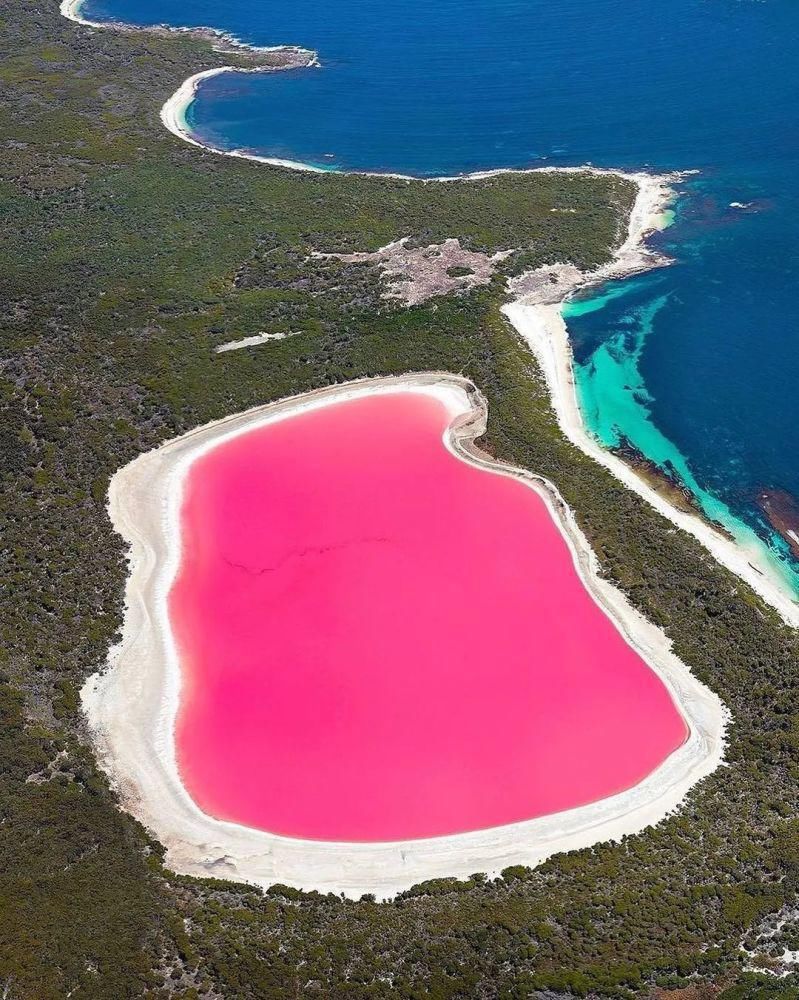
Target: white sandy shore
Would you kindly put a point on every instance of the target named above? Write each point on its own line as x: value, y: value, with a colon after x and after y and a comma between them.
x: 173, y: 117
x: 71, y: 9
x: 131, y: 706
x: 537, y: 315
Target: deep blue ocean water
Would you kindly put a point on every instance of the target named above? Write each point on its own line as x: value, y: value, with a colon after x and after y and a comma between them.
x: 696, y: 365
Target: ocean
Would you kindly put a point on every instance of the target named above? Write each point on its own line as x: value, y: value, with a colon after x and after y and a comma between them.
x: 694, y: 366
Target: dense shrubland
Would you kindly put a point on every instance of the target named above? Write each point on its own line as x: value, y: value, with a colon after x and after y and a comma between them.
x: 125, y: 257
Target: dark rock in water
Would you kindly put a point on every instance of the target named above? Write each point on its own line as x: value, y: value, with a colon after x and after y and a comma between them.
x: 666, y: 481
x: 782, y: 511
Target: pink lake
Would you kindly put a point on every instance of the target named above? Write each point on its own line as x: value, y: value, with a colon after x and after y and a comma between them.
x: 379, y: 641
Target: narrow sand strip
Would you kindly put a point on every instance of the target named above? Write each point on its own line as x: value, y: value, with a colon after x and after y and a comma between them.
x: 131, y: 706
x: 71, y: 9
x: 537, y: 315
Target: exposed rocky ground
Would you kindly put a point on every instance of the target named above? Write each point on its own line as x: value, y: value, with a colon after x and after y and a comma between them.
x: 413, y: 274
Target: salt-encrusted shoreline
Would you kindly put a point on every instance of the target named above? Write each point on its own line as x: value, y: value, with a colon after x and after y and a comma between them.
x: 131, y: 706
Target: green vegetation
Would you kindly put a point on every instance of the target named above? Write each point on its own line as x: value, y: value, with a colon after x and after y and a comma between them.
x: 125, y: 257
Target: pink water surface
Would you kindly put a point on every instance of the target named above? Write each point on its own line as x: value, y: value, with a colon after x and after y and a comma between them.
x: 379, y: 641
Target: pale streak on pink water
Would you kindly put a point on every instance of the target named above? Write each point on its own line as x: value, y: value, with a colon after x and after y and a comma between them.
x: 379, y: 641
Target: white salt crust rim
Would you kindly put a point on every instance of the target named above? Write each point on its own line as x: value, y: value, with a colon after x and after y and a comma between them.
x: 131, y: 706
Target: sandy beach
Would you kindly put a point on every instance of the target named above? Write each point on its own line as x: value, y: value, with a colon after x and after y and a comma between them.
x: 536, y: 313
x: 131, y: 705
x: 71, y: 9
x: 173, y: 117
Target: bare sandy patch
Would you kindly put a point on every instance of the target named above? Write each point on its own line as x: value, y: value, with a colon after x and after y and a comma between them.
x: 415, y: 274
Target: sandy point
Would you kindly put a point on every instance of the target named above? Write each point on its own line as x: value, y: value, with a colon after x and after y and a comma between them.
x: 131, y: 705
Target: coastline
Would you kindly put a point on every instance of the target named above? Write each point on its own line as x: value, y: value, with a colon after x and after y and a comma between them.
x: 131, y: 705
x: 287, y: 56
x: 536, y: 314
x: 173, y: 117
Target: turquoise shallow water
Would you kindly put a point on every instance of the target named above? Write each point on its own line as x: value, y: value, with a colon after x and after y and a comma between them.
x: 617, y: 405
x: 696, y: 365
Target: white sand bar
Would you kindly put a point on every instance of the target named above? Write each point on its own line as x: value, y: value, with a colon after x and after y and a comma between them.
x: 131, y: 705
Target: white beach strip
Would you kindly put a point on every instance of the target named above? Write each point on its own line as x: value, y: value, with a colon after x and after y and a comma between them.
x: 71, y: 9
x: 254, y: 341
x: 173, y: 112
x: 131, y: 706
x: 173, y: 115
x: 538, y: 318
